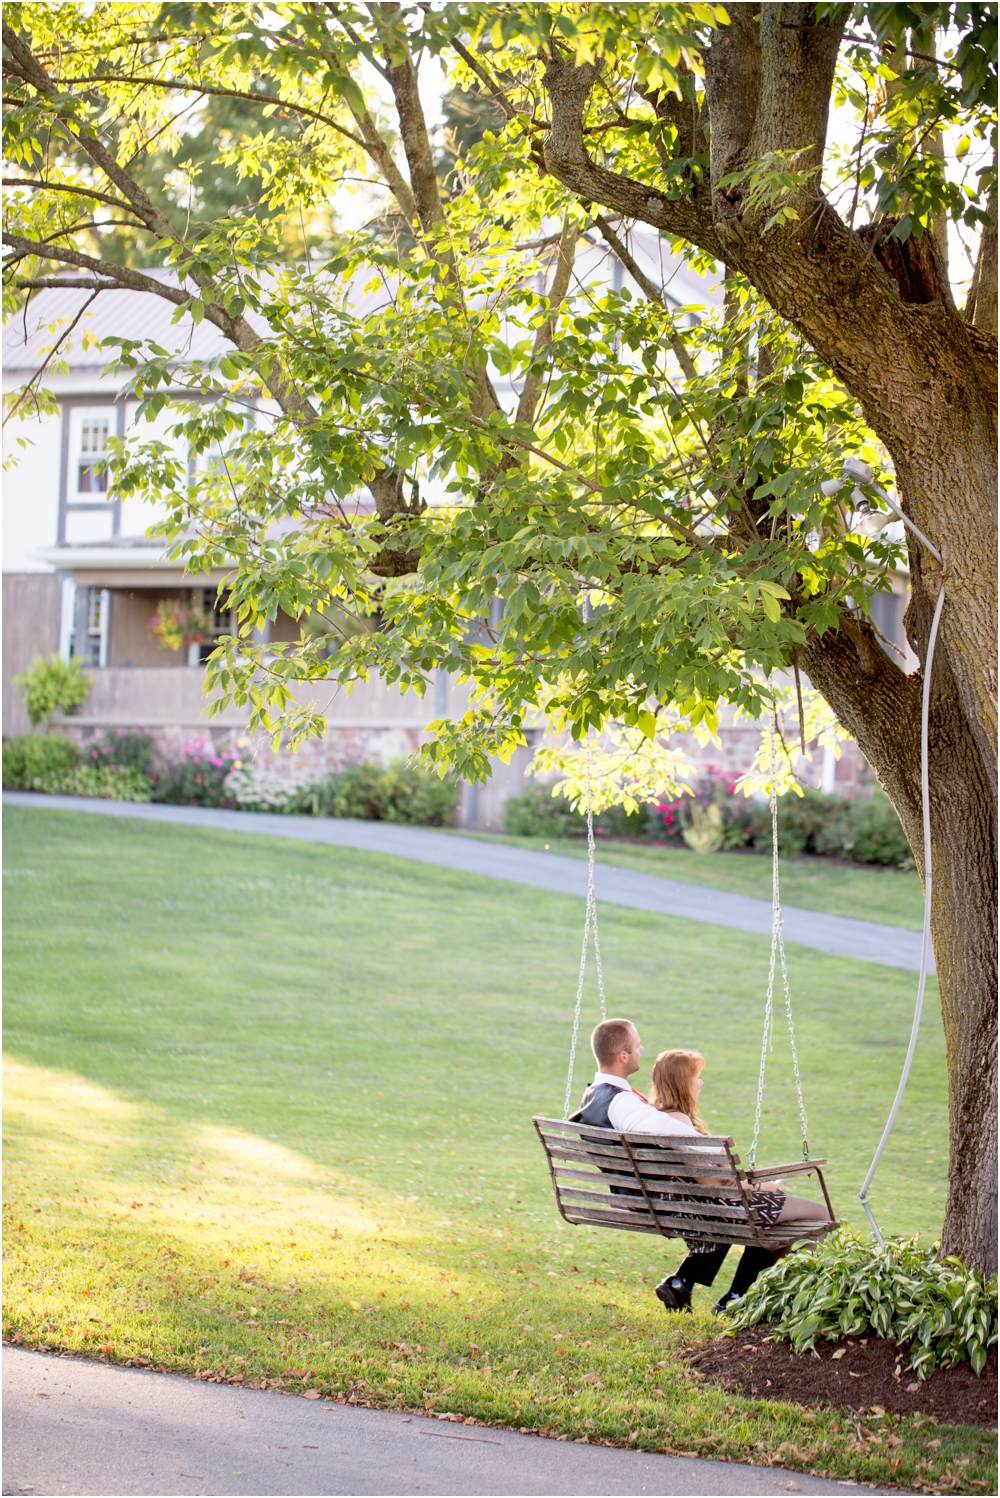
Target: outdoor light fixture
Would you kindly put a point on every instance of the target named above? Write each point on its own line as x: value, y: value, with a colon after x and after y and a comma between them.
x: 866, y: 519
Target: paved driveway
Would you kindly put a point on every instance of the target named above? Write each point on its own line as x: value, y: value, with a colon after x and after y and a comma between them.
x: 891, y: 946
x: 73, y: 1426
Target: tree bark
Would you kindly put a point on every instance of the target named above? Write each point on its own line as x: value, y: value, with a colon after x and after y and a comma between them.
x: 881, y: 708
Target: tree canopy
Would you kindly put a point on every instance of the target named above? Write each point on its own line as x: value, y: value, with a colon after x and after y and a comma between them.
x: 648, y: 505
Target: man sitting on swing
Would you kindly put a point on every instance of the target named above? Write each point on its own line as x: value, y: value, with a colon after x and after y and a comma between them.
x: 611, y: 1103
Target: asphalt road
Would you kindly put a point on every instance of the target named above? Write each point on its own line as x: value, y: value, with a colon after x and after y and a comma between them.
x: 73, y: 1426
x: 891, y: 946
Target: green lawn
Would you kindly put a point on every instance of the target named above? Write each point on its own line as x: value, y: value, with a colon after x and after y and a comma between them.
x: 268, y: 1114
x: 865, y: 891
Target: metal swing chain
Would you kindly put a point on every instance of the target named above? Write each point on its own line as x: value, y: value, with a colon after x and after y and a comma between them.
x: 590, y: 918
x: 777, y: 953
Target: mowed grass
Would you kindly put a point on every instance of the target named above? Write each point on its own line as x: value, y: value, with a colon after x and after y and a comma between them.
x: 268, y: 1119
x: 866, y: 892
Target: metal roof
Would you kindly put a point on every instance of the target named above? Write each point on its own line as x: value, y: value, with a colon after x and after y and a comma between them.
x: 30, y: 334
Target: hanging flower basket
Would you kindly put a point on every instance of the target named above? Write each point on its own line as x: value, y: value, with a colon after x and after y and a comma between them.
x: 176, y: 624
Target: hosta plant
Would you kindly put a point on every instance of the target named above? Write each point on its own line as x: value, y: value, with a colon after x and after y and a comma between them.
x: 849, y: 1285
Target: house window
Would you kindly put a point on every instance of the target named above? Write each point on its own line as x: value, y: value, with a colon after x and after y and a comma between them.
x: 91, y: 474
x: 95, y: 610
x: 89, y: 640
x: 220, y: 617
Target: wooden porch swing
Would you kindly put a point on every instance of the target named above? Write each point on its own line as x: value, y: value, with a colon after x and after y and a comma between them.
x: 668, y: 1184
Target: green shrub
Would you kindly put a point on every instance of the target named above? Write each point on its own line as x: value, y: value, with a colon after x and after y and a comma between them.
x: 802, y: 823
x: 537, y: 813
x: 354, y: 792
x: 615, y: 821
x: 400, y: 793
x: 106, y: 781
x: 30, y: 756
x: 51, y: 684
x: 122, y: 748
x: 419, y: 797
x: 370, y: 792
x: 847, y: 1286
x: 198, y: 778
x: 868, y: 832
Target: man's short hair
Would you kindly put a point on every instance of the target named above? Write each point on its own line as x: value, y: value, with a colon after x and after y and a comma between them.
x: 610, y: 1038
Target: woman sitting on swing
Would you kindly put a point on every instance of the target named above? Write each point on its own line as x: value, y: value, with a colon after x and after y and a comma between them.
x: 673, y: 1109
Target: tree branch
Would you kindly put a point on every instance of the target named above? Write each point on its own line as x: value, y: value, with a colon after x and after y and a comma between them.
x: 402, y: 77
x: 188, y: 86
x: 236, y: 329
x: 370, y: 136
x: 565, y: 157
x: 383, y: 159
x: 123, y: 275
x: 60, y: 283
x: 471, y: 61
x: 402, y: 80
x: 83, y: 192
x: 528, y: 403
x: 31, y: 70
x: 25, y: 393
x: 732, y: 92
x: 652, y: 291
x: 798, y: 60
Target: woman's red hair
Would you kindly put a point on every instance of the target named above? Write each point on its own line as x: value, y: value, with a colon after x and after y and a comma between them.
x: 672, y: 1089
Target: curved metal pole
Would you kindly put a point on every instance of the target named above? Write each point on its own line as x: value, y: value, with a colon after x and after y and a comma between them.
x: 909, y: 524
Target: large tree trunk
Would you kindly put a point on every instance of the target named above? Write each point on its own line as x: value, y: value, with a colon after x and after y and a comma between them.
x: 881, y: 707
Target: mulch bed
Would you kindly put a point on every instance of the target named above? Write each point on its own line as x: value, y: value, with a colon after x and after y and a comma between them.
x: 859, y: 1372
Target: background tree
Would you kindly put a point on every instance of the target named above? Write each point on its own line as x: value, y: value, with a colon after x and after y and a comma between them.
x: 648, y: 505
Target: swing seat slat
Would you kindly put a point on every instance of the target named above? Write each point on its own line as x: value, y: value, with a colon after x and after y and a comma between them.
x: 649, y: 1183
x: 717, y: 1216
x: 702, y: 1159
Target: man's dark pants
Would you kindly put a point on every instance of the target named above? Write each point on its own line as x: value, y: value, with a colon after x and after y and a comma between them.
x: 701, y: 1269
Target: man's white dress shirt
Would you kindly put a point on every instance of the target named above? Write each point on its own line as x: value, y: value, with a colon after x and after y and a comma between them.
x: 631, y: 1114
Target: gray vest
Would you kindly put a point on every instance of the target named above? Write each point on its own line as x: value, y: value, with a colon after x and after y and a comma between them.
x: 596, y: 1101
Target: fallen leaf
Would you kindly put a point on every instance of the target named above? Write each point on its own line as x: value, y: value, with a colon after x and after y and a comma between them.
x: 838, y: 1354
x: 312, y: 1394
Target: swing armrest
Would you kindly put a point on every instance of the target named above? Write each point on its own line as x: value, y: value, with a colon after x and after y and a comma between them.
x: 775, y: 1172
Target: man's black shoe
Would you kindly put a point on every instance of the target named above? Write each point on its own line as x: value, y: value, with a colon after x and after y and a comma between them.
x: 674, y: 1294
x: 721, y: 1307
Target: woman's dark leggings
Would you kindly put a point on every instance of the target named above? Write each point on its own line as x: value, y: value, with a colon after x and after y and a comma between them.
x: 701, y: 1269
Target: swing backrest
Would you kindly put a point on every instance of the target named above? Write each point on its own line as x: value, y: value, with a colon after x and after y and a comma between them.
x: 656, y: 1183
